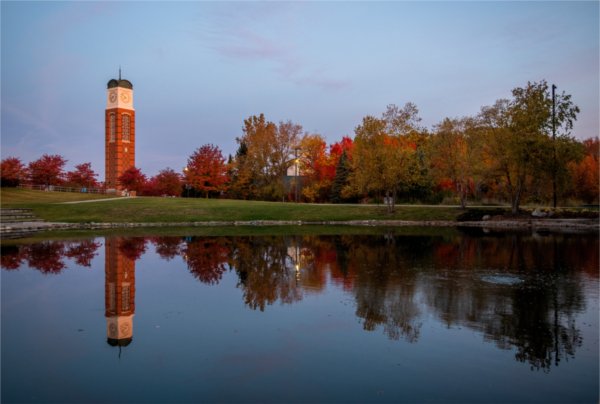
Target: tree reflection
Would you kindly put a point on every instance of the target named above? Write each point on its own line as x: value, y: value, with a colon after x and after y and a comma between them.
x: 11, y: 257
x: 385, y: 284
x: 48, y: 256
x: 132, y: 247
x: 206, y: 258
x: 520, y: 291
x: 167, y: 247
x: 82, y: 252
x: 266, y: 272
x: 529, y: 304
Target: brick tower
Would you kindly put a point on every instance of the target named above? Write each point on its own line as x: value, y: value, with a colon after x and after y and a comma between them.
x: 120, y: 131
x: 119, y: 293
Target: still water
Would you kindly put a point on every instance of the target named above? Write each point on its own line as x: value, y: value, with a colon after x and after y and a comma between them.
x: 389, y: 317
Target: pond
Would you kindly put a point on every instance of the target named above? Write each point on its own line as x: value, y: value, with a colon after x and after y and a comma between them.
x: 394, y: 316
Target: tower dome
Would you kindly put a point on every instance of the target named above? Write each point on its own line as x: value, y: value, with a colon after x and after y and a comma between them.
x: 112, y: 83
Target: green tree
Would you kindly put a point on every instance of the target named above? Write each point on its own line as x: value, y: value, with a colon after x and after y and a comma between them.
x: 518, y: 143
x: 340, y: 181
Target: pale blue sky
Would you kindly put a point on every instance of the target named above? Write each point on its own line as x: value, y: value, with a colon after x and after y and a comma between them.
x: 200, y: 68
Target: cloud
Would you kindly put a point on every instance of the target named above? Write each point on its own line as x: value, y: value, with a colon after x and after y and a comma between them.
x: 265, y: 35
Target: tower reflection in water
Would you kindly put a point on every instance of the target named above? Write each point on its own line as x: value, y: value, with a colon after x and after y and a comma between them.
x: 119, y: 294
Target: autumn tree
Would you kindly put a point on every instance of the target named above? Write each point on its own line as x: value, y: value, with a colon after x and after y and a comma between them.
x: 454, y: 155
x: 585, y: 173
x: 82, y: 176
x: 265, y: 152
x: 518, y: 145
x: 206, y: 170
x: 316, y: 168
x: 133, y: 179
x: 384, y: 158
x: 166, y: 182
x: 47, y: 170
x: 12, y: 172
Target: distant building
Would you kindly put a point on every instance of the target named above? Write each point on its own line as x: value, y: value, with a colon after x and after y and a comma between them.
x: 120, y: 131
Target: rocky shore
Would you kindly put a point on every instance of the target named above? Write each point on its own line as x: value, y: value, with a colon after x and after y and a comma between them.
x: 588, y: 225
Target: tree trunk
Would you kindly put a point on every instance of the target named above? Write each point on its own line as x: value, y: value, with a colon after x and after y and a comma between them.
x: 516, y: 198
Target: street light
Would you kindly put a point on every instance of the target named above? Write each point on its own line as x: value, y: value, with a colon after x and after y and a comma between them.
x: 187, y: 187
x: 296, y: 162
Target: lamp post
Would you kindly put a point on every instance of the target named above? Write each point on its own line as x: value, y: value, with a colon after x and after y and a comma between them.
x: 554, y: 146
x: 187, y: 187
x: 296, y: 161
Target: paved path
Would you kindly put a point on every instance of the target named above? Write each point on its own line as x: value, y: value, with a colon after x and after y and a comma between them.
x: 98, y: 200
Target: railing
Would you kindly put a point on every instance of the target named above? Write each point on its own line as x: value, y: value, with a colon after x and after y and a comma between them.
x: 56, y: 188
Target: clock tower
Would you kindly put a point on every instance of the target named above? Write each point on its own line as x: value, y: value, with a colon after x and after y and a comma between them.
x: 120, y: 131
x: 119, y: 293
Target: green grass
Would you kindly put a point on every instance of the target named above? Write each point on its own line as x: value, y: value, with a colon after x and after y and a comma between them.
x: 16, y: 197
x: 147, y: 209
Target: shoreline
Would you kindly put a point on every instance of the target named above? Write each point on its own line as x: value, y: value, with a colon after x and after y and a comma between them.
x: 586, y: 225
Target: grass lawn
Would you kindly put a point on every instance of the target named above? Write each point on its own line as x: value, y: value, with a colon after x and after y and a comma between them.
x: 48, y: 206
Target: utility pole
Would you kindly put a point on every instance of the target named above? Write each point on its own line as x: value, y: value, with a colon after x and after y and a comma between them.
x: 554, y: 146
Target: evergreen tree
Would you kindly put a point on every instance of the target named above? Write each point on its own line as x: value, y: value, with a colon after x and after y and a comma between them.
x: 342, y: 172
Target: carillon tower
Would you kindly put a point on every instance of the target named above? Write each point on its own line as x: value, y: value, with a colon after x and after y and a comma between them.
x: 120, y: 131
x: 119, y: 297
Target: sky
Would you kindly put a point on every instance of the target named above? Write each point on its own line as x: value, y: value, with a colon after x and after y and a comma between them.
x: 200, y: 68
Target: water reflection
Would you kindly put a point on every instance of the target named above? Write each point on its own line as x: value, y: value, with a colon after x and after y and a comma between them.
x: 522, y: 292
x: 119, y: 288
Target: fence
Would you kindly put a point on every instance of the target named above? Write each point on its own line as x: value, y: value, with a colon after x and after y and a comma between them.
x: 56, y: 188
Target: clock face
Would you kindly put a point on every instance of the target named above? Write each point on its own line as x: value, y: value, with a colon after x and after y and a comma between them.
x: 112, y: 96
x: 125, y: 328
x: 125, y: 97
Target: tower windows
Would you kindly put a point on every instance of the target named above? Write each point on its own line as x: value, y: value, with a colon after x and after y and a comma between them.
x: 125, y: 298
x: 126, y: 125
x: 112, y: 127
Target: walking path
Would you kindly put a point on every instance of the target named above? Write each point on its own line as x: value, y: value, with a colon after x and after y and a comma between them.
x: 98, y: 200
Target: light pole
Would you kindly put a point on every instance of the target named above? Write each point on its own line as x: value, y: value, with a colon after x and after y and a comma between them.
x: 187, y: 187
x: 296, y: 176
x: 554, y: 146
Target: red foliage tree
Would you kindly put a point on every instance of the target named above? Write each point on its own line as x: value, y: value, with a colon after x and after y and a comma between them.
x: 12, y: 172
x: 336, y: 149
x: 133, y: 179
x: 82, y: 176
x: 585, y: 174
x: 206, y: 170
x: 166, y: 182
x: 47, y: 170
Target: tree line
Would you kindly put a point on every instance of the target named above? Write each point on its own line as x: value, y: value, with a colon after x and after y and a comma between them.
x: 517, y: 150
